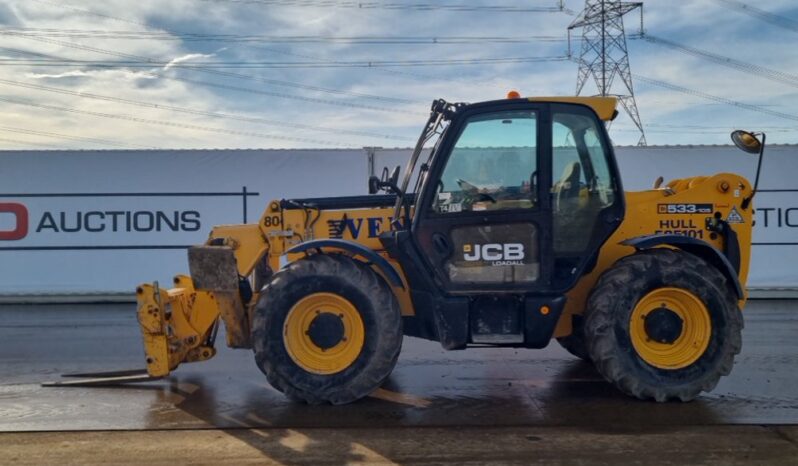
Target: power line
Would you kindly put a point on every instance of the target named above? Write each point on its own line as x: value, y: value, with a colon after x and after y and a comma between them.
x: 723, y: 100
x: 257, y: 78
x: 393, y: 71
x: 771, y: 128
x: 166, y: 123
x: 149, y: 63
x: 29, y: 143
x: 692, y: 93
x: 272, y: 94
x: 361, y: 5
x: 145, y: 25
x: 190, y: 111
x: 271, y: 81
x: 73, y: 138
x: 658, y: 131
x: 237, y: 75
x: 671, y: 128
x: 773, y: 75
x: 314, y: 100
x: 278, y: 64
x: 702, y: 129
x: 91, y: 13
x: 275, y: 82
x: 689, y: 130
x: 762, y: 15
x: 198, y: 37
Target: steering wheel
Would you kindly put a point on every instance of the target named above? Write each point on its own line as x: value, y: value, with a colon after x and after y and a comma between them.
x: 473, y: 190
x: 465, y: 185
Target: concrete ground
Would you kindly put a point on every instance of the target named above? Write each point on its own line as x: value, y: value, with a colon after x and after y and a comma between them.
x: 470, y: 407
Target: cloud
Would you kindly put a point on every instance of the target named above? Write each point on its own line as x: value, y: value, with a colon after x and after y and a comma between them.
x: 187, y: 57
x: 7, y: 16
x: 127, y: 74
x: 703, y: 24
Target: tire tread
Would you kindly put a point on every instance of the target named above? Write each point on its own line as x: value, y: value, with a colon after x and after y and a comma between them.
x: 390, y: 327
x: 600, y: 322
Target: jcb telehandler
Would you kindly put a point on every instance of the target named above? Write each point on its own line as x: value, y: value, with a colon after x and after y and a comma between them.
x: 515, y: 230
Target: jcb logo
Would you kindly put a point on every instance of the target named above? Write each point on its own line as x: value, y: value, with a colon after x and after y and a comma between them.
x: 20, y: 213
x: 493, y: 252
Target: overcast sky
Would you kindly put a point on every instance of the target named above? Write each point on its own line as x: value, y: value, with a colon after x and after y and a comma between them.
x: 104, y: 105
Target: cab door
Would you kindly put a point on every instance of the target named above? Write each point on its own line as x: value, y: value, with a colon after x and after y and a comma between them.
x: 521, y: 198
x: 483, y: 219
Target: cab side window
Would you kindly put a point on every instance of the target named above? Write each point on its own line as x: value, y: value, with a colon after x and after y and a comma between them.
x: 493, y: 165
x: 582, y: 186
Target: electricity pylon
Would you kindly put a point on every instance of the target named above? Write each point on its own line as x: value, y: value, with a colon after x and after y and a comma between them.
x: 604, y: 54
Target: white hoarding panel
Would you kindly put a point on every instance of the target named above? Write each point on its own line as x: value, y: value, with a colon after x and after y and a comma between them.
x: 103, y: 221
x: 100, y: 222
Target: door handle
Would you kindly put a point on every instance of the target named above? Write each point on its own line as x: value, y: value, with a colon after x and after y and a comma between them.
x: 441, y: 244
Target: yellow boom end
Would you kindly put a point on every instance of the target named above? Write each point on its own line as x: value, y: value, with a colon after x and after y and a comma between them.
x: 177, y: 325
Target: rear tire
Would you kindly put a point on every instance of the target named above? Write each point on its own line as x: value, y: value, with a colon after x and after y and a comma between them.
x: 370, y: 301
x: 643, y: 367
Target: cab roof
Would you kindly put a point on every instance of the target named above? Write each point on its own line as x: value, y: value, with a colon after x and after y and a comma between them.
x: 605, y: 107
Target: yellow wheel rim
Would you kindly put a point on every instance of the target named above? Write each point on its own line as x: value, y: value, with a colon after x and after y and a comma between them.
x: 688, y: 346
x: 297, y: 335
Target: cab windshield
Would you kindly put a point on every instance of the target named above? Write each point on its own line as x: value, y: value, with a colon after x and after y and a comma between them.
x: 492, y: 166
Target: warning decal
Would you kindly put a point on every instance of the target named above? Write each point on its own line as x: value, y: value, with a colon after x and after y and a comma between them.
x: 734, y: 216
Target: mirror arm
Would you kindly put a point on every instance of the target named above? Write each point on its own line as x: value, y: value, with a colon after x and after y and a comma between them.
x: 394, y: 188
x: 747, y: 201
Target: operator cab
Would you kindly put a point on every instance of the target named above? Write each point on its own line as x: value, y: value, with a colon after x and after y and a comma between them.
x: 514, y: 202
x: 517, y: 193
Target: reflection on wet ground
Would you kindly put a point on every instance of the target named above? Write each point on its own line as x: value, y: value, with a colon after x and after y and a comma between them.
x: 429, y: 388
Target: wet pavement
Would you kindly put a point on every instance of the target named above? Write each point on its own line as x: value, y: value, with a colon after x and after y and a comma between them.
x: 477, y: 390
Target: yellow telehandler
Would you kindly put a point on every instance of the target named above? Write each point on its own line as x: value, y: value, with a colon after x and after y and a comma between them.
x: 511, y: 231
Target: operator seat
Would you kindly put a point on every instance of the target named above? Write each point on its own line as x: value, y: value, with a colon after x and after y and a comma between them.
x: 568, y: 185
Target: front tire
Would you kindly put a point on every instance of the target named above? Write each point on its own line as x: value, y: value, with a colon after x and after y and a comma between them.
x: 327, y: 329
x: 575, y: 342
x: 663, y: 324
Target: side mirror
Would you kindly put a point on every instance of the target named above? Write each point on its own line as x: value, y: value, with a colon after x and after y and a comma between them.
x: 388, y: 182
x: 749, y: 142
x: 746, y: 142
x: 374, y: 185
